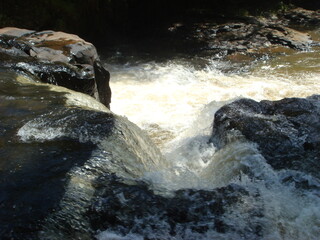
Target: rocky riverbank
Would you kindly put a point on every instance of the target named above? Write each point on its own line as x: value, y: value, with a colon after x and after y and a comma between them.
x: 248, y: 35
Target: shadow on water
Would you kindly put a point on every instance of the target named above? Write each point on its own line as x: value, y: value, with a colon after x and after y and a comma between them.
x: 33, y: 179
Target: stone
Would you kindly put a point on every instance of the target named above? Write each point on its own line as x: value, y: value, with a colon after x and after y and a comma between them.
x: 288, y: 37
x: 15, y: 32
x: 302, y: 16
x: 248, y: 34
x: 57, y: 58
x: 199, y: 211
x: 287, y: 131
x: 54, y: 144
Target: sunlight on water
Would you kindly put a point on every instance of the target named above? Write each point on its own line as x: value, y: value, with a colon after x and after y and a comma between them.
x: 167, y: 98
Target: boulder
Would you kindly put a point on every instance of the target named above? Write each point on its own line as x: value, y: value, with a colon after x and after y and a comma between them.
x: 58, y: 58
x: 287, y: 132
x: 54, y: 146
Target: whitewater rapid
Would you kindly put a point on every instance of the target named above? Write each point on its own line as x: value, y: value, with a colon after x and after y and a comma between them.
x: 175, y: 101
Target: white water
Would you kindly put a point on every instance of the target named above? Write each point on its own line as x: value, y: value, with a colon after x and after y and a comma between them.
x: 172, y: 100
x: 175, y: 103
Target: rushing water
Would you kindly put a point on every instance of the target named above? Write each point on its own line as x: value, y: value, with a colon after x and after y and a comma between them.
x: 174, y: 102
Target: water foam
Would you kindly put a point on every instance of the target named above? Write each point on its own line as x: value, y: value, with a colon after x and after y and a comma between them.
x: 175, y: 103
x: 167, y: 97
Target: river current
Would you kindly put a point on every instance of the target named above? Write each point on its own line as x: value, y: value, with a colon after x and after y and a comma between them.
x: 174, y: 101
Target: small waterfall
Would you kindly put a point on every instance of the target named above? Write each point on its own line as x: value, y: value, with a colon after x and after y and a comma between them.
x: 120, y: 181
x: 175, y: 102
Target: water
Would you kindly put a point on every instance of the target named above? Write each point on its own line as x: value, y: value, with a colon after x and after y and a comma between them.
x: 174, y: 101
x: 189, y: 91
x: 194, y: 191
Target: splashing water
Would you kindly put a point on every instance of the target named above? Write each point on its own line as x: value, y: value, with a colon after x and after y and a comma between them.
x: 175, y: 102
x: 168, y: 98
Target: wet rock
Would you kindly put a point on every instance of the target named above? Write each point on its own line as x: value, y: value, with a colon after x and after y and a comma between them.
x: 302, y: 16
x: 248, y: 34
x: 53, y: 148
x: 287, y: 132
x: 287, y: 37
x: 58, y: 58
x: 118, y: 208
x: 244, y: 37
x: 46, y: 192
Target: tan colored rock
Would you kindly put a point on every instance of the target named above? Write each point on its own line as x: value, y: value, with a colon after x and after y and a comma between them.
x: 58, y: 58
x: 15, y: 32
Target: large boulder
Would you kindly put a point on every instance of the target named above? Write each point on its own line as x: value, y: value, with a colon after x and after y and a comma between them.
x: 58, y: 58
x: 287, y: 132
x: 54, y: 146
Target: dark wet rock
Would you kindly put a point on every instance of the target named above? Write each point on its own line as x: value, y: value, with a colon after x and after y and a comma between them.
x: 50, y: 192
x: 302, y: 16
x: 57, y: 58
x: 135, y: 209
x: 287, y: 131
x: 247, y: 35
x: 287, y: 37
x: 52, y: 156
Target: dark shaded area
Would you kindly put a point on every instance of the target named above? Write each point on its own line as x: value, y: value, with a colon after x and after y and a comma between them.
x: 34, y: 174
x: 287, y: 131
x: 33, y: 182
x: 102, y: 77
x: 100, y: 20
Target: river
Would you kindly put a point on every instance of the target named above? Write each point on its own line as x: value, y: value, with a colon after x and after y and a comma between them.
x: 174, y: 100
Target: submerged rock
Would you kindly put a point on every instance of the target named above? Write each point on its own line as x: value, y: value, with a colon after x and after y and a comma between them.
x: 58, y: 58
x: 287, y: 131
